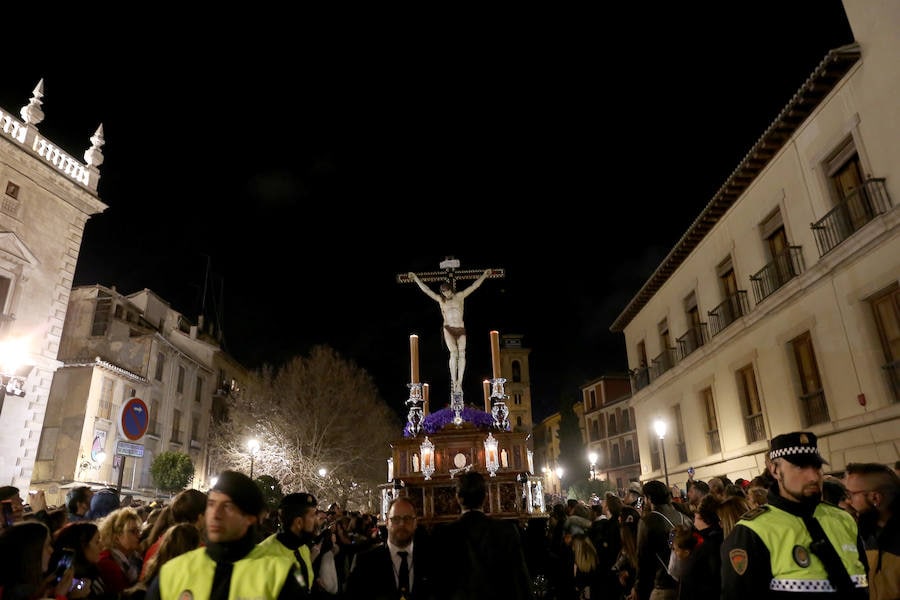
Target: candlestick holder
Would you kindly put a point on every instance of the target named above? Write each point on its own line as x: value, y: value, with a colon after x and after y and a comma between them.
x: 457, y: 405
x: 414, y: 402
x: 490, y: 455
x: 499, y: 410
x: 427, y: 450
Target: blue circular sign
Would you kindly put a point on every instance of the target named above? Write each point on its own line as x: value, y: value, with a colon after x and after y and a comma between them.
x: 135, y: 419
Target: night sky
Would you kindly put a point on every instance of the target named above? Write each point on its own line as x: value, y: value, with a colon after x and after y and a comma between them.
x: 278, y: 174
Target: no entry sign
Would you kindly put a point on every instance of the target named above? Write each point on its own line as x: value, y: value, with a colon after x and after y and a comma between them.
x: 135, y: 419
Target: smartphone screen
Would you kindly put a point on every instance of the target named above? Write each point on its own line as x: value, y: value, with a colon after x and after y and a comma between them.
x: 65, y: 561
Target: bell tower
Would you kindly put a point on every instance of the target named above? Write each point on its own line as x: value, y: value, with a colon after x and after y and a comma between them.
x: 514, y: 368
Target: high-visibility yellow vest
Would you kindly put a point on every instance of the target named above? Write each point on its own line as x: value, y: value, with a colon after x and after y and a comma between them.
x: 794, y: 566
x: 272, y: 545
x: 257, y: 576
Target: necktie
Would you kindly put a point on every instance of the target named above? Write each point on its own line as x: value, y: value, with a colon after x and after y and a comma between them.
x: 403, y: 574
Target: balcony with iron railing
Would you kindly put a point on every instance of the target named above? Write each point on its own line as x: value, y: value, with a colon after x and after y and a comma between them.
x: 640, y: 378
x: 892, y: 373
x: 681, y: 447
x: 712, y: 441
x: 784, y: 266
x: 729, y: 311
x: 756, y: 429
x: 692, y: 339
x: 815, y: 410
x: 859, y: 207
x: 662, y: 362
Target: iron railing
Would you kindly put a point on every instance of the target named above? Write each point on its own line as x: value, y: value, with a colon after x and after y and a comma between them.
x: 730, y: 310
x: 662, y: 363
x: 756, y: 431
x: 712, y: 441
x: 814, y: 408
x: 640, y: 378
x: 682, y: 451
x: 892, y: 373
x: 784, y: 266
x: 859, y: 207
x: 692, y: 339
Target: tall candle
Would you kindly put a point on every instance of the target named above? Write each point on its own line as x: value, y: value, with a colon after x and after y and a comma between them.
x: 414, y: 358
x: 425, y: 398
x: 495, y: 353
x: 487, y: 395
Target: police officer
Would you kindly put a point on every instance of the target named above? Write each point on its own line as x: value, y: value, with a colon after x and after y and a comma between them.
x: 796, y: 546
x: 297, y: 515
x: 231, y: 565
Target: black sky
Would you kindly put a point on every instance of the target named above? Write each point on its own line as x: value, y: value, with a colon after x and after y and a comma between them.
x: 308, y: 164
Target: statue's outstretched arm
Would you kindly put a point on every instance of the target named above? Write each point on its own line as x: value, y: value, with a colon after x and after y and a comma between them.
x: 430, y: 292
x: 475, y: 284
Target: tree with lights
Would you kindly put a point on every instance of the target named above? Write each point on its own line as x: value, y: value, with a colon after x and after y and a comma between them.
x: 317, y: 425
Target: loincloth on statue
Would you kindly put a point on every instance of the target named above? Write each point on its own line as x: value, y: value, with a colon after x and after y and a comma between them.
x: 455, y: 331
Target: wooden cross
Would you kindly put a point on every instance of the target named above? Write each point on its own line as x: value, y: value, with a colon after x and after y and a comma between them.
x: 451, y: 273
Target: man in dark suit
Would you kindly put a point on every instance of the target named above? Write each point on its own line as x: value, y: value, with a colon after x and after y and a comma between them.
x: 482, y: 556
x: 396, y: 570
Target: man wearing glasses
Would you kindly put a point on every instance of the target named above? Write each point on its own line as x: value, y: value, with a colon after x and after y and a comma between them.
x: 398, y: 569
x: 874, y: 492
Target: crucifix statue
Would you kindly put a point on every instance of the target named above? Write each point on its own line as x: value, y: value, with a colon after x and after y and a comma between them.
x: 451, y: 303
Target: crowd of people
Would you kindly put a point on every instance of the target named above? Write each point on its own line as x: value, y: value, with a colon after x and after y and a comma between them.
x: 791, y: 531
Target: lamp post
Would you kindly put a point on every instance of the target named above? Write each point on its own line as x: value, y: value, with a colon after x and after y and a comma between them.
x: 253, y: 447
x: 660, y: 426
x: 593, y: 458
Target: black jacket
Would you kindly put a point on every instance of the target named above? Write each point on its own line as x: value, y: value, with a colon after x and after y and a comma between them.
x: 483, y: 559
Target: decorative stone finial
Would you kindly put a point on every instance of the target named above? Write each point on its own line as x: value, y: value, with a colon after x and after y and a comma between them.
x: 32, y: 113
x: 93, y: 156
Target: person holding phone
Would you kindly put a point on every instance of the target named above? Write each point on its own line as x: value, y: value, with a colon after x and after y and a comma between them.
x: 26, y: 550
x: 84, y: 538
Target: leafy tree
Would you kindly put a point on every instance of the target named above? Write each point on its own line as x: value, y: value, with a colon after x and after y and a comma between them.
x: 314, y: 412
x: 172, y: 471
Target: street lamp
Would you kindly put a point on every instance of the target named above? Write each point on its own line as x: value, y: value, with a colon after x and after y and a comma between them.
x: 660, y: 426
x: 593, y: 458
x: 253, y: 447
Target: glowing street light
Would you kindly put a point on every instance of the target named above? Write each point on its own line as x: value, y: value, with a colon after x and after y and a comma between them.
x: 253, y: 448
x: 660, y: 426
x: 592, y: 457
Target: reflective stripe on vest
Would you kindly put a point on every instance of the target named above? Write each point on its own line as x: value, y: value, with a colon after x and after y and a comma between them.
x: 257, y: 576
x: 794, y: 567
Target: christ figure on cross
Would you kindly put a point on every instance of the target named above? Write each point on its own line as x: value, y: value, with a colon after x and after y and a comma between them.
x: 451, y: 304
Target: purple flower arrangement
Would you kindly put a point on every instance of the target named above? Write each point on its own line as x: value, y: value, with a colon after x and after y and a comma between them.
x: 436, y: 421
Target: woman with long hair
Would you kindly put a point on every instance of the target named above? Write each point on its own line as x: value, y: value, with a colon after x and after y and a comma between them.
x: 730, y: 510
x: 588, y: 582
x: 84, y: 538
x: 25, y: 572
x: 175, y: 541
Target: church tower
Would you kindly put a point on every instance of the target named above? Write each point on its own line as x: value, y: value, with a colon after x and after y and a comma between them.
x: 514, y: 368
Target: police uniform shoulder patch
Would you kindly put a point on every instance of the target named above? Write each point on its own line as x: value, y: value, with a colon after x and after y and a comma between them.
x: 801, y: 556
x: 739, y: 560
x: 755, y: 512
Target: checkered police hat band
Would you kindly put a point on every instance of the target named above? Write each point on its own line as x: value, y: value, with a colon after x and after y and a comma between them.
x: 794, y: 450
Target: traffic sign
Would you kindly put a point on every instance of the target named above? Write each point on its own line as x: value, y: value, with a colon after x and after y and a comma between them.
x: 135, y: 419
x: 128, y: 449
